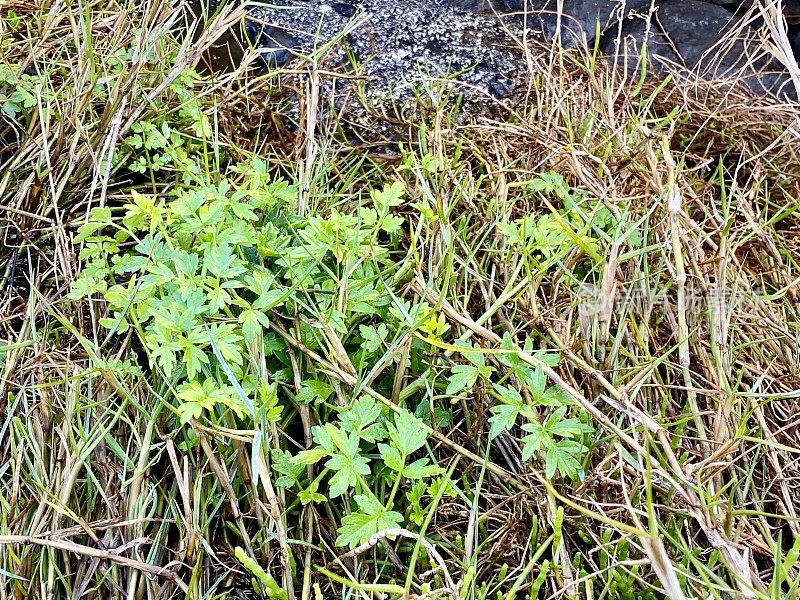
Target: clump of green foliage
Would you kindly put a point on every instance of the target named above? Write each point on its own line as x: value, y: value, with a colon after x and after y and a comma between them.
x: 200, y: 277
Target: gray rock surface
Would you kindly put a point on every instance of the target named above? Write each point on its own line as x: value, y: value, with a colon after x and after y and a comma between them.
x: 394, y: 46
x: 580, y: 20
x: 398, y: 44
x: 576, y: 20
x: 685, y: 35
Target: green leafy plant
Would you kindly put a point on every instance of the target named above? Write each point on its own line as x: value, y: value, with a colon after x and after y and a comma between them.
x: 168, y: 142
x: 544, y: 239
x: 464, y: 376
x: 21, y: 92
x: 343, y: 445
x: 557, y: 439
x: 370, y: 518
x: 200, y: 276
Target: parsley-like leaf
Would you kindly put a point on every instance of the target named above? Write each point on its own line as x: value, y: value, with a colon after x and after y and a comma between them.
x: 370, y: 518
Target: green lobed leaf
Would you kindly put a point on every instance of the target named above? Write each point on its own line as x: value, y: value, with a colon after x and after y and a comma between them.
x: 407, y: 433
x: 370, y: 518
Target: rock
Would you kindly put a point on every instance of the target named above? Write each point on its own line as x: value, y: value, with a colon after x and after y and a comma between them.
x: 686, y: 35
x: 399, y: 43
x: 487, y: 6
x: 791, y: 12
x: 579, y: 19
x: 276, y: 45
x: 344, y: 9
x: 678, y: 33
x: 794, y: 40
x: 582, y: 19
x: 394, y: 46
x: 379, y: 56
